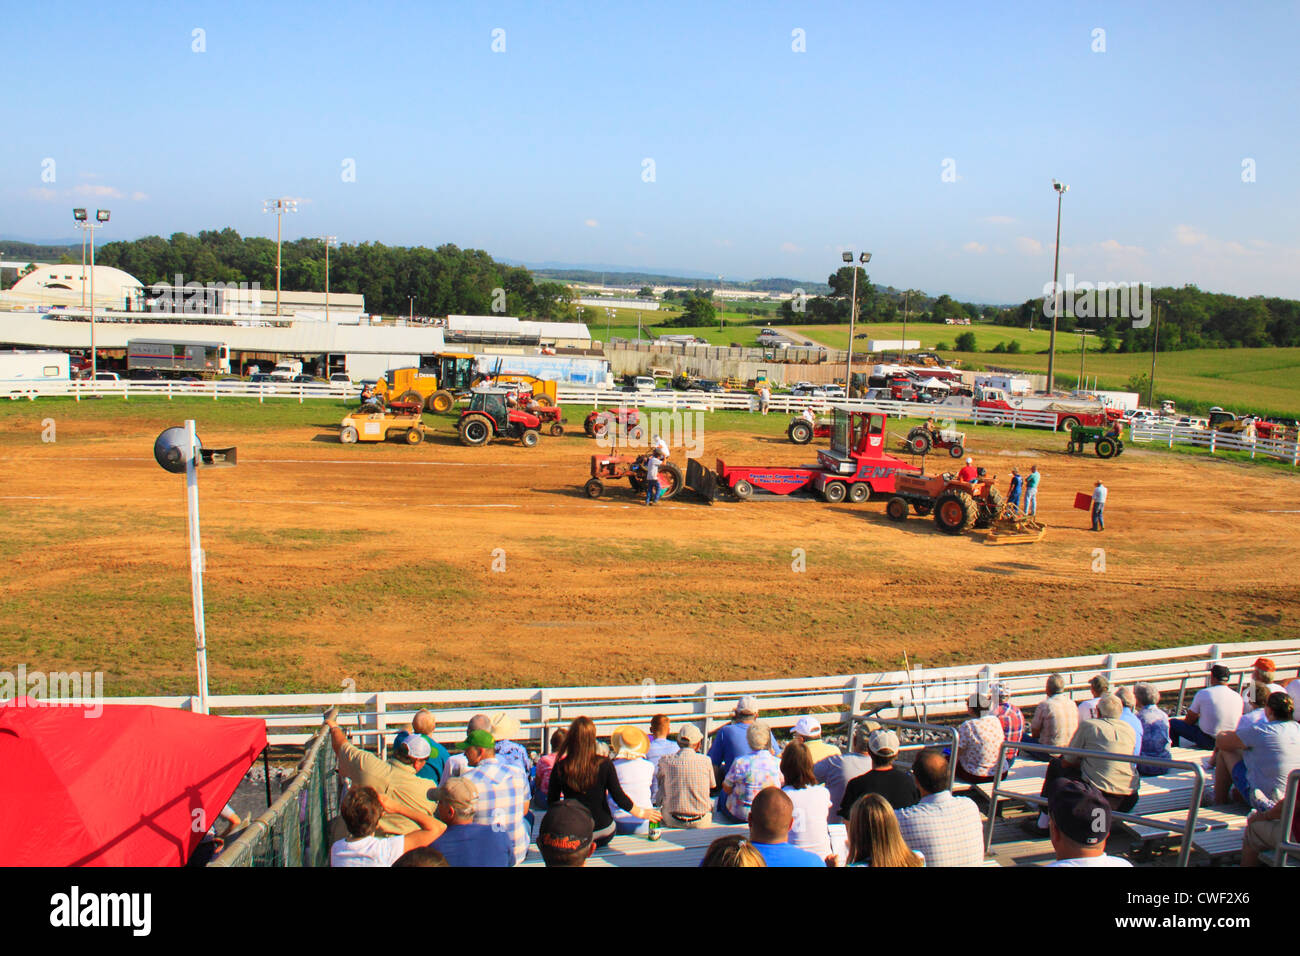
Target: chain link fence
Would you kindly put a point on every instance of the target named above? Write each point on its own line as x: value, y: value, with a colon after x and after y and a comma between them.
x: 294, y: 830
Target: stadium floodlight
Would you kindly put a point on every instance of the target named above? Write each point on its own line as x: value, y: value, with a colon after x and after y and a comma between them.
x: 101, y: 215
x: 853, y: 308
x: 79, y: 215
x: 1061, y: 190
x: 279, y: 207
x: 846, y: 256
x: 179, y: 451
x: 85, y: 225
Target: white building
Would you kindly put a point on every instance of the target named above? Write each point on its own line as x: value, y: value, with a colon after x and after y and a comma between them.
x: 67, y: 285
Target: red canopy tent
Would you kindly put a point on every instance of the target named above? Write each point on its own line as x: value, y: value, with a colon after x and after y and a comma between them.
x: 115, y: 785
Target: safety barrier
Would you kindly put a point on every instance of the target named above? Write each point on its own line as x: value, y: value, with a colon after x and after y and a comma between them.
x: 294, y: 830
x: 1288, y: 451
x: 1187, y: 828
x: 1288, y: 846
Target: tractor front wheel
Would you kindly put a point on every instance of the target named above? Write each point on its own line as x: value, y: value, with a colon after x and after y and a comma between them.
x: 921, y: 509
x: 990, y: 508
x: 635, y: 433
x: 954, y: 512
x: 348, y: 435
x: 475, y: 430
x: 896, y: 509
x: 743, y: 490
x: 956, y: 451
x: 441, y: 401
x: 414, y: 436
x: 530, y: 437
x: 556, y: 429
x: 1105, y: 448
x: 835, y: 492
x: 594, y: 488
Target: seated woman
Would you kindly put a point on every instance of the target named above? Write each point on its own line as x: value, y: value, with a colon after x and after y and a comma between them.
x: 1155, y: 727
x: 1254, y: 760
x: 874, y: 836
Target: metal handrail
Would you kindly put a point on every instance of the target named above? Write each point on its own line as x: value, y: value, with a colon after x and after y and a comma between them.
x: 1288, y: 845
x: 914, y: 725
x: 1187, y: 830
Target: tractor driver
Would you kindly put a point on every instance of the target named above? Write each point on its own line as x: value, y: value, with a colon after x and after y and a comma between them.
x: 807, y: 415
x: 368, y: 397
x: 969, y: 472
x: 660, y: 448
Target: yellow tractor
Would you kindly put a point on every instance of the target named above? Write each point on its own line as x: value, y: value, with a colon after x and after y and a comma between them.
x: 434, y: 387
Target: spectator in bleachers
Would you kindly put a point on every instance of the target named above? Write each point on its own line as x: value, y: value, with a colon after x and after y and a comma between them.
x: 730, y: 741
x: 683, y: 781
x: 808, y: 731
x: 566, y: 835
x: 456, y: 763
x: 1256, y: 760
x: 733, y: 850
x: 1080, y: 825
x: 895, y: 785
x: 1265, y: 830
x: 750, y: 773
x: 812, y: 801
x: 361, y: 810
x: 1055, y: 718
x: 662, y: 742
x: 545, y: 763
x: 581, y: 773
x: 979, y: 740
x: 1293, y: 691
x: 1010, y: 716
x: 1128, y: 704
x: 423, y: 723
x: 466, y: 843
x: 1214, y: 709
x: 504, y: 730
x: 396, y: 778
x: 1255, y: 696
x: 1116, y: 779
x: 874, y: 837
x: 836, y: 772
x: 502, y: 790
x: 635, y: 775
x: 1263, y: 672
x: 1155, y: 727
x: 944, y: 829
x: 1099, y: 685
x: 422, y: 856
x: 770, y: 819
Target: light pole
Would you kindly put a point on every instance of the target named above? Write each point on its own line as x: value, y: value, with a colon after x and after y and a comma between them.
x: 279, y: 207
x: 1083, y: 351
x: 906, y: 295
x: 179, y: 451
x: 84, y: 223
x: 410, y: 318
x: 329, y: 241
x: 1155, y: 338
x: 1061, y: 190
x: 853, y: 310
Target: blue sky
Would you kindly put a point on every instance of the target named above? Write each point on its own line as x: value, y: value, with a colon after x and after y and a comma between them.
x: 767, y: 161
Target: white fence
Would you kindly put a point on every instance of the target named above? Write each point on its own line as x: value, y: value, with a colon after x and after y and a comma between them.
x: 920, y: 693
x: 127, y: 388
x: 747, y: 402
x: 1287, y: 451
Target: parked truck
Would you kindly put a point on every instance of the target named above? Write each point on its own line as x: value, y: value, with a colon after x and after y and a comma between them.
x: 159, y: 355
x: 1068, y: 411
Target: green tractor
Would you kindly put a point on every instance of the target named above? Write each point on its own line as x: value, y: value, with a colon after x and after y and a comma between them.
x: 1106, y: 442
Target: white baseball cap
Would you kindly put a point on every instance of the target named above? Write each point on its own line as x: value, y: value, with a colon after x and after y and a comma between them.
x: 808, y: 727
x: 970, y: 461
x: 417, y: 747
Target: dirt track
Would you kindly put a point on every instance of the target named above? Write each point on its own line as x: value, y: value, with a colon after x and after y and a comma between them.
x: 328, y: 562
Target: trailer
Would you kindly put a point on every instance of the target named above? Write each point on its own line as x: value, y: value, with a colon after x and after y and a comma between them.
x: 1069, y: 412
x: 159, y: 355
x: 855, y: 468
x: 21, y: 371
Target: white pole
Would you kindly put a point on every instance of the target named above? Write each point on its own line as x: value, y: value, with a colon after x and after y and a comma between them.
x: 196, y: 564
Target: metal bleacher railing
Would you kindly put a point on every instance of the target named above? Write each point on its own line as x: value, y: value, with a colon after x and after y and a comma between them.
x: 1289, y: 846
x: 1187, y: 828
x: 293, y: 830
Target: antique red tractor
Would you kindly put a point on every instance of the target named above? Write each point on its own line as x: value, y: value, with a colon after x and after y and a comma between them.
x: 632, y: 467
x: 622, y: 421
x: 801, y: 431
x: 491, y: 416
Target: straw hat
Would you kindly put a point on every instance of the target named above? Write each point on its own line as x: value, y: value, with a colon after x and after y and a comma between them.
x: 504, y: 727
x: 629, y: 742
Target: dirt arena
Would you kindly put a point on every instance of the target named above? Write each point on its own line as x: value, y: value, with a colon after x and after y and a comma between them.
x: 374, y: 563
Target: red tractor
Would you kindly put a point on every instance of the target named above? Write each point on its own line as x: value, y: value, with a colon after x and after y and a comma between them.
x: 801, y: 431
x: 490, y: 416
x: 632, y: 467
x: 957, y: 505
x: 623, y: 421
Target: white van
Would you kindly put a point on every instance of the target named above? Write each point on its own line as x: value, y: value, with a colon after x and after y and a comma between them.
x: 644, y: 383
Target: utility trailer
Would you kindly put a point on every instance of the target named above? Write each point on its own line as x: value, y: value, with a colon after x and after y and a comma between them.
x: 158, y: 355
x: 854, y: 468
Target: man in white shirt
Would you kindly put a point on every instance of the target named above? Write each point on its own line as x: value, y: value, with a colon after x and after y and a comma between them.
x: 1079, y: 825
x: 361, y: 810
x: 1098, y: 507
x: 457, y: 764
x: 1214, y: 709
x: 764, y: 399
x: 1263, y: 673
x: 1099, y: 685
x: 652, y: 487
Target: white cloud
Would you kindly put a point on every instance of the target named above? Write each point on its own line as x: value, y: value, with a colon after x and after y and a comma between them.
x: 43, y: 193
x: 1028, y: 247
x: 999, y: 220
x: 590, y: 223
x: 790, y: 247
x: 138, y: 196
x: 1115, y: 247
x: 976, y: 247
x: 1188, y: 236
x: 96, y: 192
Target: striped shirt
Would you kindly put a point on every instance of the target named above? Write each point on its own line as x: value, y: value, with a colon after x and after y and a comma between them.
x: 682, y: 783
x: 1056, y: 719
x: 502, y: 800
x: 944, y: 828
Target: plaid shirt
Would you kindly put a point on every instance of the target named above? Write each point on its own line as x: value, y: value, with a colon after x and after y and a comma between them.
x: 1013, y: 726
x: 682, y: 783
x: 748, y: 775
x: 1055, y: 721
x: 502, y: 799
x: 946, y: 829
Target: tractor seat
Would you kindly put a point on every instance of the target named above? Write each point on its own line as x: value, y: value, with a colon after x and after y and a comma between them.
x: 405, y: 408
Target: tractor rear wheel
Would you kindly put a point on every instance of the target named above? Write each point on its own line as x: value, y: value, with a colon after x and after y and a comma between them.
x: 990, y: 508
x: 441, y: 401
x: 896, y: 509
x: 918, y: 442
x: 954, y: 512
x: 635, y: 433
x: 859, y: 492
x: 412, y: 396
x: 530, y: 437
x: 348, y: 435
x: 594, y: 488
x: 835, y: 491
x: 475, y: 430
x: 743, y: 490
x: 599, y: 427
x: 956, y: 451
x: 556, y: 429
x: 414, y: 436
x: 1105, y: 448
x: 670, y: 480
x: 799, y: 432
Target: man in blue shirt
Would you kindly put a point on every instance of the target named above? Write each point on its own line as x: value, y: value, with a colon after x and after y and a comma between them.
x: 731, y: 741
x: 770, y: 819
x: 423, y: 723
x: 466, y: 843
x: 1129, y: 716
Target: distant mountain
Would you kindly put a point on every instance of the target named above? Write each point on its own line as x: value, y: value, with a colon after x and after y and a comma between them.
x: 684, y: 278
